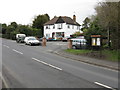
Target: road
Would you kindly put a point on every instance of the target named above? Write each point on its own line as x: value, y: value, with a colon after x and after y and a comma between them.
x: 37, y: 67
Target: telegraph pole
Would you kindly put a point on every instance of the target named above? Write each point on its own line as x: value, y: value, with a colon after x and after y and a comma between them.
x: 109, y: 35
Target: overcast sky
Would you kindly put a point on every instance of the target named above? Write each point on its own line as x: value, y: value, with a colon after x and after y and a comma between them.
x: 24, y: 11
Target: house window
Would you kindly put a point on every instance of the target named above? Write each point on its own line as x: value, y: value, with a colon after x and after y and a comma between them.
x: 53, y: 26
x: 47, y: 36
x: 78, y: 27
x: 49, y: 27
x: 46, y: 27
x: 69, y: 26
x: 59, y: 26
x: 72, y: 26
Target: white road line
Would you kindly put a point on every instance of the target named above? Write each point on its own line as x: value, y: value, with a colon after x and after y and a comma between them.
x: 103, y: 85
x: 6, y: 46
x: 50, y: 65
x: 17, y: 51
x: 4, y: 81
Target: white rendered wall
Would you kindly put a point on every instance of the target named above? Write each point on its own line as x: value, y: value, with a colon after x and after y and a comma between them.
x: 67, y: 31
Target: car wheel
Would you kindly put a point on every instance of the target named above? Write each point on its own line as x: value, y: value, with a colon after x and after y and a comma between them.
x: 74, y: 47
x: 30, y: 44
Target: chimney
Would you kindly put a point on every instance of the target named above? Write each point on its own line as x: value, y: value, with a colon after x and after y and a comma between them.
x: 74, y: 18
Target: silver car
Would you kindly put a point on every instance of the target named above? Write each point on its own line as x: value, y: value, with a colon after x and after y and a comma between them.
x: 78, y: 43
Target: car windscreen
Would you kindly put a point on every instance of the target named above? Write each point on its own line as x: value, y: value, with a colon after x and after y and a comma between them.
x: 32, y: 39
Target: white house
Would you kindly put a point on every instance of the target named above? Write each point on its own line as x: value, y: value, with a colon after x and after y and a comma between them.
x: 60, y: 27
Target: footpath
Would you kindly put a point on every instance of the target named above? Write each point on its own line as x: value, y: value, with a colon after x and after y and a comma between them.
x: 98, y: 62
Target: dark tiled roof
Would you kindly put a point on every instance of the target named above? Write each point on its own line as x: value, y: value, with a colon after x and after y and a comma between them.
x: 60, y: 19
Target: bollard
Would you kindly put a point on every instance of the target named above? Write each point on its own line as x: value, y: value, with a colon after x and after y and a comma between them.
x: 44, y: 41
x: 69, y: 44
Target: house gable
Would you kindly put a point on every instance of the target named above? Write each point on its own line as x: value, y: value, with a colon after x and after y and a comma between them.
x: 61, y: 19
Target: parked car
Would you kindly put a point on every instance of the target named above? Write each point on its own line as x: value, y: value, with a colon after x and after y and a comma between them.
x: 78, y: 43
x: 31, y: 41
x: 40, y: 39
x: 65, y: 39
x: 50, y: 39
x: 20, y: 38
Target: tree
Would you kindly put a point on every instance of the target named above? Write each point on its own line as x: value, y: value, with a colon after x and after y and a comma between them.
x: 86, y: 23
x: 93, y: 29
x: 4, y: 28
x: 14, y: 24
x: 76, y: 34
x: 107, y: 13
x: 39, y: 21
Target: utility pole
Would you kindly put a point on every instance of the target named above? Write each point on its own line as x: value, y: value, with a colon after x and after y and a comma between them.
x: 109, y: 35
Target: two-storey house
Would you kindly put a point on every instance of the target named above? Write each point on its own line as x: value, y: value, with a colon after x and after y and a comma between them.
x: 60, y: 27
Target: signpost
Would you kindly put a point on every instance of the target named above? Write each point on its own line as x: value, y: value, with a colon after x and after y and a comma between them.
x: 96, y: 41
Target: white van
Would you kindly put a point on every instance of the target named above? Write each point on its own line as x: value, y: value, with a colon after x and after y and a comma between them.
x: 20, y: 38
x: 20, y: 35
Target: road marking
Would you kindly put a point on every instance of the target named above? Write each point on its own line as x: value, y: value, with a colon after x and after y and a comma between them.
x: 6, y: 46
x: 101, y: 67
x: 4, y: 81
x: 50, y: 65
x: 17, y: 51
x: 103, y: 85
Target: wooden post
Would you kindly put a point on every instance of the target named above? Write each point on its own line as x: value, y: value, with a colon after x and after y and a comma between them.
x: 44, y: 41
x: 69, y: 44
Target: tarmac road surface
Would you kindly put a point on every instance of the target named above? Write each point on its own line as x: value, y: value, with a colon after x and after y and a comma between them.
x: 36, y: 67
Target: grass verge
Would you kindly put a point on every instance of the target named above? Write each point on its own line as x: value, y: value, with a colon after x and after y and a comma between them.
x: 111, y: 55
x: 75, y: 51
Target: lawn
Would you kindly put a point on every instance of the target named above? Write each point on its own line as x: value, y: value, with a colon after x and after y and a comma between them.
x: 76, y: 51
x: 111, y: 55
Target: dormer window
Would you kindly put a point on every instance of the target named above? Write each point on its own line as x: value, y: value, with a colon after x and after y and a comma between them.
x: 59, y: 26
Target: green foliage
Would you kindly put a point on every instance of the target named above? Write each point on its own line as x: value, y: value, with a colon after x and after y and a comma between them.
x: 111, y: 55
x: 76, y: 34
x: 108, y: 14
x: 36, y: 29
x: 4, y: 28
x: 93, y: 29
x: 13, y: 35
x: 119, y: 55
x: 39, y: 21
x: 11, y: 30
x: 75, y: 51
x: 86, y: 23
x: 14, y: 24
x: 105, y: 20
